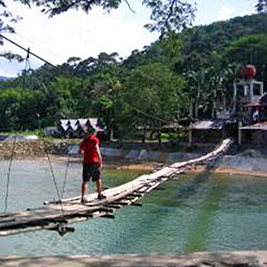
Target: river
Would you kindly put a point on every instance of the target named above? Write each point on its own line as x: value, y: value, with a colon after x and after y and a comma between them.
x: 206, y: 212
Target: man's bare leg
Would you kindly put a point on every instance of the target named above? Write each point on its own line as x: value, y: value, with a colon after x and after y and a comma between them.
x: 84, y: 188
x: 99, y: 186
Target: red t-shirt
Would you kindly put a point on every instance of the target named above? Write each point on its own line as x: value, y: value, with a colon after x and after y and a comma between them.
x: 88, y: 145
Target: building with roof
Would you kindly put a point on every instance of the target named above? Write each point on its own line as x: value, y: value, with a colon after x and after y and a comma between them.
x: 74, y: 128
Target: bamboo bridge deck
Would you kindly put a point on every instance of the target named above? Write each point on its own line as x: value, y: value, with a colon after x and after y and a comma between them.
x: 57, y: 215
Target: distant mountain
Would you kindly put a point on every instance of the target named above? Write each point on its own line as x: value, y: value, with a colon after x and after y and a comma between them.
x: 217, y: 35
x: 4, y: 78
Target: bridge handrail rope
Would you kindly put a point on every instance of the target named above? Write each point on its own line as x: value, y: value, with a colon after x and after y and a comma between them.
x: 9, y: 171
x: 27, y: 50
x: 27, y: 68
x: 66, y: 170
x: 53, y: 175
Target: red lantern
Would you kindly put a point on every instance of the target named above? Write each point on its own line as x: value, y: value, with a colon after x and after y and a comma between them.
x: 248, y: 72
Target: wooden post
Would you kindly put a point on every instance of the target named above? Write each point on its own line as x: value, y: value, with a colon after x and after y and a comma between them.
x: 190, y: 134
x: 239, y: 133
x: 191, y: 109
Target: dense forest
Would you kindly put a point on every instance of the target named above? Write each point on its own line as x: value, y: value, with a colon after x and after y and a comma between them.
x: 176, y: 79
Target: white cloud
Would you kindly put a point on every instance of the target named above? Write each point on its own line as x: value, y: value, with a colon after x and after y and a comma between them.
x: 225, y: 12
x: 75, y: 33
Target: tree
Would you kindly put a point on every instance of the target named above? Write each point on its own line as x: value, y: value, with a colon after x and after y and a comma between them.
x: 152, y: 95
x: 198, y: 83
x: 7, y: 19
x: 171, y: 15
x: 9, y: 104
x: 65, y: 98
x: 248, y: 49
x: 19, y: 108
x: 166, y: 50
x: 106, y: 87
x: 251, y: 49
x: 261, y: 6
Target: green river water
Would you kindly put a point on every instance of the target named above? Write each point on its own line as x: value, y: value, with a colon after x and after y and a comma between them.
x: 206, y: 212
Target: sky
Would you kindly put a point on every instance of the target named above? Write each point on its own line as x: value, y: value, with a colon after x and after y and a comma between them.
x: 76, y: 33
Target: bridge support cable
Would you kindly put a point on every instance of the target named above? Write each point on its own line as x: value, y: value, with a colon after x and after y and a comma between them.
x: 27, y: 50
x: 50, y: 215
x: 53, y: 176
x: 9, y: 171
x: 66, y: 170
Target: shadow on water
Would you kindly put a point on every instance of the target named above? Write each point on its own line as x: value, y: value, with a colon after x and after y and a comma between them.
x: 194, y: 186
x: 202, y: 197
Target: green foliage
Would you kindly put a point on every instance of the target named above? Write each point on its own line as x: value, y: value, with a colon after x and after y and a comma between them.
x: 39, y: 132
x: 57, y: 7
x: 170, y: 136
x: 19, y: 108
x: 261, y: 6
x: 205, y: 44
x: 248, y: 49
x: 151, y: 95
x: 169, y: 16
x: 10, y: 56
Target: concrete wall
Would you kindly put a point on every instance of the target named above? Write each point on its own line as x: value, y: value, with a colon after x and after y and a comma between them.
x: 247, y: 162
x: 31, y: 148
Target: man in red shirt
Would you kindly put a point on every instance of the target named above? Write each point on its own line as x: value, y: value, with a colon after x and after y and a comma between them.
x: 92, y: 163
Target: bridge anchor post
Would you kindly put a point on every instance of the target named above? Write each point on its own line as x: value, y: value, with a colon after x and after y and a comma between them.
x: 62, y: 228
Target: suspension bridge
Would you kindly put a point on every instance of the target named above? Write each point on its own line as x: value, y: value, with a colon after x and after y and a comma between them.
x: 58, y: 215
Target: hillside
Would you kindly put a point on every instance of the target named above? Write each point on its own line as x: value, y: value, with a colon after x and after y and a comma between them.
x: 4, y: 78
x: 214, y: 38
x: 217, y: 34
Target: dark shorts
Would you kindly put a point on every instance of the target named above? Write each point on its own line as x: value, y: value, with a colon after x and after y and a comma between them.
x: 91, y: 170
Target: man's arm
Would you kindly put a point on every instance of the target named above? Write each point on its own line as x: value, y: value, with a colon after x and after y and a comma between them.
x: 99, y: 154
x: 81, y: 150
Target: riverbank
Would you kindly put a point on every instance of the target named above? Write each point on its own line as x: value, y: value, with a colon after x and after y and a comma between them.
x: 149, y: 166
x: 251, y: 162
x: 207, y: 259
